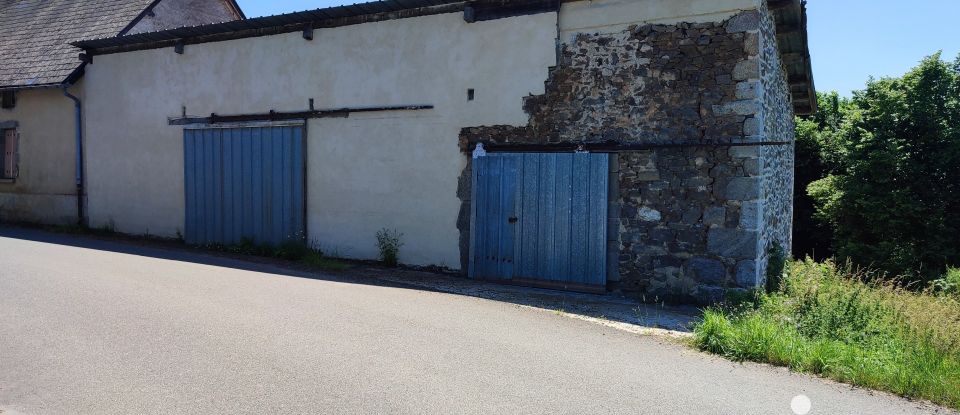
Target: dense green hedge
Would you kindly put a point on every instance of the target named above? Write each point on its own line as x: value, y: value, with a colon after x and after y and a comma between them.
x: 878, y: 175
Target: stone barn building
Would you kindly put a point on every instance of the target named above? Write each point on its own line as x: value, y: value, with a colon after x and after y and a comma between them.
x: 639, y: 146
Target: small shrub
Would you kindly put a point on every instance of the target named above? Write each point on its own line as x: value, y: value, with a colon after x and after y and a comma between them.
x: 107, y: 228
x: 740, y: 299
x: 775, y: 265
x: 292, y: 250
x: 316, y: 259
x: 388, y: 242
x: 950, y: 283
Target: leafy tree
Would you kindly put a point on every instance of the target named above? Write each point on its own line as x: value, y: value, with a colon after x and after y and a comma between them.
x: 816, y: 156
x: 891, y: 192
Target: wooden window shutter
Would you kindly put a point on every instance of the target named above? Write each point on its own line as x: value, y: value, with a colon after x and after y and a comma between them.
x: 10, y: 153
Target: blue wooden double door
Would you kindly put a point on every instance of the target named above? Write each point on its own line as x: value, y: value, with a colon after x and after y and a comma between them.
x: 244, y: 184
x: 540, y: 219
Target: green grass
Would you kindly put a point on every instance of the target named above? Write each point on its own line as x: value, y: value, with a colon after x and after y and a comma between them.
x: 316, y: 259
x: 77, y: 229
x: 291, y: 250
x: 831, y: 321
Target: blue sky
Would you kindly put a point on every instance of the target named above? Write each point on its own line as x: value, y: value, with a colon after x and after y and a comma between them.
x: 850, y: 40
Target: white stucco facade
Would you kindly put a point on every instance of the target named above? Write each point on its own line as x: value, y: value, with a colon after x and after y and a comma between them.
x: 392, y: 169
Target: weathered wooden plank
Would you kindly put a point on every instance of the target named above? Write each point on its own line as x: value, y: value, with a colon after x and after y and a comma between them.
x: 299, y: 201
x: 209, y: 188
x: 246, y: 185
x: 529, y: 218
x: 597, y: 239
x: 474, y: 227
x: 562, y: 220
x: 257, y: 212
x: 189, y: 182
x: 229, y: 181
x: 581, y: 188
x: 547, y: 263
x: 276, y: 194
x: 508, y: 186
x: 495, y: 213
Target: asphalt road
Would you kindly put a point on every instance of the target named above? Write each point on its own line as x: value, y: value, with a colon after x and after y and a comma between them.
x: 101, y: 327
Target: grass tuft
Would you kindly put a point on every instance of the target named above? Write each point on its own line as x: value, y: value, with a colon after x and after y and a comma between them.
x: 293, y: 249
x: 840, y: 323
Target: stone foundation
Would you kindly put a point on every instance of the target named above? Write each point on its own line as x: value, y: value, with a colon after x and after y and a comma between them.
x: 700, y: 115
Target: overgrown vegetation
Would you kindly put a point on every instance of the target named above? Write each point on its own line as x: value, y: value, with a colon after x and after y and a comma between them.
x: 776, y: 261
x: 76, y: 229
x: 389, y: 244
x: 293, y: 249
x: 950, y: 283
x: 847, y: 325
x: 878, y: 181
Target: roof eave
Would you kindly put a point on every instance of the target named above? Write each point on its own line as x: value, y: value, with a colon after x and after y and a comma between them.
x: 374, y: 11
x: 793, y: 44
x: 7, y: 88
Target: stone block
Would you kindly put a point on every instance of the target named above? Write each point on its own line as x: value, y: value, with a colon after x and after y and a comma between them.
x: 748, y: 69
x: 705, y: 270
x: 743, y: 188
x: 744, y: 22
x: 698, y: 182
x: 690, y: 237
x: 649, y: 215
x: 708, y: 295
x: 751, y: 44
x: 751, y: 126
x: 669, y: 275
x: 745, y: 151
x: 644, y: 175
x: 750, y: 215
x: 746, y: 274
x: 741, y: 107
x: 732, y: 243
x: 748, y: 89
x: 691, y: 215
x: 660, y: 236
x: 714, y: 216
x: 751, y: 167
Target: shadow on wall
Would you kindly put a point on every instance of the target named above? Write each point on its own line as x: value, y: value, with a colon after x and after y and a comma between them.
x: 604, y: 307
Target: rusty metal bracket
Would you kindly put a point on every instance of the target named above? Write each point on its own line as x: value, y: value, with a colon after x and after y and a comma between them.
x: 272, y: 115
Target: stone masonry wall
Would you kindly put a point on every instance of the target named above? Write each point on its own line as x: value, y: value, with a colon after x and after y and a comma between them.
x: 688, y: 98
x: 777, y: 162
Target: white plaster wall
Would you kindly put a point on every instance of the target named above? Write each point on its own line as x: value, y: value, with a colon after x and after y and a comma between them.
x: 396, y: 170
x: 45, y: 190
x: 610, y: 16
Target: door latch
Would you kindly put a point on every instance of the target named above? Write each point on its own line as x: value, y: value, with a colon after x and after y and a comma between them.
x: 512, y: 219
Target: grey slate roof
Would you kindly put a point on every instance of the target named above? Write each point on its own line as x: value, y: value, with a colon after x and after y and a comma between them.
x: 35, y: 35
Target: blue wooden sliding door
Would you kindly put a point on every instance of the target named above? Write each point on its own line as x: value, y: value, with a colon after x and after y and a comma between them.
x: 244, y: 184
x: 540, y: 218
